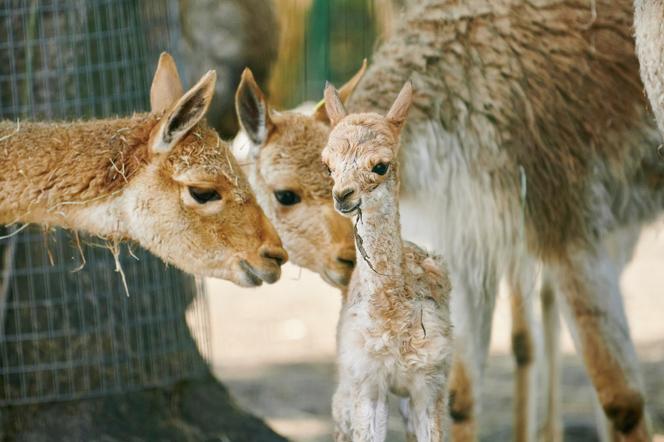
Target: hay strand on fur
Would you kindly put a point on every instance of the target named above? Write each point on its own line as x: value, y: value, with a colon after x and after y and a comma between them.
x: 360, y: 247
x: 80, y: 251
x: 8, y: 136
x: 114, y: 247
x: 15, y: 232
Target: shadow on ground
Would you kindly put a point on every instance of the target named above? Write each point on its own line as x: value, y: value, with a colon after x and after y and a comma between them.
x: 295, y: 398
x: 194, y: 410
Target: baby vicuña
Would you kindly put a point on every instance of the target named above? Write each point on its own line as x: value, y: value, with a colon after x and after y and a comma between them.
x: 394, y: 331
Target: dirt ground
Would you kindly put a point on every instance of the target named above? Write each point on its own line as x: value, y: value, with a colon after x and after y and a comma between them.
x: 274, y: 348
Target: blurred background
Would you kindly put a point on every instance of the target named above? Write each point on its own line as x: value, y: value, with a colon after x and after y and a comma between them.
x: 292, y: 46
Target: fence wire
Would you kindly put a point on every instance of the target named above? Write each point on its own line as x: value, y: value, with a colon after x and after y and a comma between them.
x: 67, y: 328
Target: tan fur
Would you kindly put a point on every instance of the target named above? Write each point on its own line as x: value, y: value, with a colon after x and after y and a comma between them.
x: 551, y: 429
x: 524, y: 354
x: 129, y: 178
x: 47, y: 164
x: 619, y: 393
x: 166, y: 87
x: 394, y: 330
x: 546, y: 86
x: 461, y: 402
x: 287, y: 157
x: 511, y: 114
x: 528, y: 115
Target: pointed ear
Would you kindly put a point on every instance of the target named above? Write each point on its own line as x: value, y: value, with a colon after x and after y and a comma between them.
x: 184, y: 115
x: 166, y: 85
x: 252, y: 110
x: 345, y: 92
x: 333, y: 105
x: 399, y: 110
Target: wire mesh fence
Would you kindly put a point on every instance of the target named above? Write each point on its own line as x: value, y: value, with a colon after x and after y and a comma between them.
x: 67, y: 328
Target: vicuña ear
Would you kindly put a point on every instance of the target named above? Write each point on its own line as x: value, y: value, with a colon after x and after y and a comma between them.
x: 333, y: 105
x: 252, y: 110
x: 399, y: 110
x: 166, y: 85
x: 184, y: 115
x: 345, y: 92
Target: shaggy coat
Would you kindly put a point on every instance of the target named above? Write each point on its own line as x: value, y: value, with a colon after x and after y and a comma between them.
x: 164, y: 179
x: 394, y: 331
x: 528, y: 144
x: 489, y: 100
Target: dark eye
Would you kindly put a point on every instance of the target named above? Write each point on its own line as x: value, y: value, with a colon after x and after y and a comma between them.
x: 329, y: 171
x: 202, y: 196
x: 286, y: 197
x: 380, y: 168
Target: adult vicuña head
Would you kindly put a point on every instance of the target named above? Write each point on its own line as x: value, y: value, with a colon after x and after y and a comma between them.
x: 164, y: 179
x: 293, y: 187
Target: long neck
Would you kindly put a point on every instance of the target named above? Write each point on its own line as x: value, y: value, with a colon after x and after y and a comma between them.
x: 378, y: 241
x: 69, y: 174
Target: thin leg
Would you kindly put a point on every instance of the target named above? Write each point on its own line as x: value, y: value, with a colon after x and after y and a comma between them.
x: 523, y: 347
x: 369, y: 414
x: 342, y: 407
x: 593, y: 307
x: 605, y: 428
x: 404, y: 409
x: 552, y: 427
x: 462, y: 403
x: 428, y: 415
x: 472, y: 305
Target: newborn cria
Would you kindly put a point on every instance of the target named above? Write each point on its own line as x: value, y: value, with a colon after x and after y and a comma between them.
x: 394, y: 331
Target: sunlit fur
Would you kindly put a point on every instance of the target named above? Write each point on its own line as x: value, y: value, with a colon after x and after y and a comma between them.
x: 288, y: 158
x: 394, y: 331
x: 123, y: 179
x: 528, y: 143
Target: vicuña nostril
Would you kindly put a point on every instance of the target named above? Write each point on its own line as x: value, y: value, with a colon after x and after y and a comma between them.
x: 342, y: 195
x: 346, y: 261
x: 277, y: 254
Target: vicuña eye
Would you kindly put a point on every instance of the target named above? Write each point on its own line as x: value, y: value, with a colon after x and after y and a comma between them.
x: 380, y: 168
x: 202, y: 196
x: 329, y: 171
x: 287, y: 197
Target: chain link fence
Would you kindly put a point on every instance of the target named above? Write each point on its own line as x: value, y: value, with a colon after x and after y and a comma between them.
x: 68, y: 329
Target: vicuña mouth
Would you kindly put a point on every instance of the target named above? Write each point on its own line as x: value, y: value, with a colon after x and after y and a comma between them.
x: 334, y: 279
x: 352, y: 209
x: 252, y: 277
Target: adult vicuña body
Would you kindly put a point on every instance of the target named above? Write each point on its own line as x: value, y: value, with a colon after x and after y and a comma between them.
x: 164, y: 179
x: 394, y: 331
x: 528, y: 143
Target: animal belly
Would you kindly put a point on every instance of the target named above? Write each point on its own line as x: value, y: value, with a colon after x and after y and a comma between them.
x: 459, y: 213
